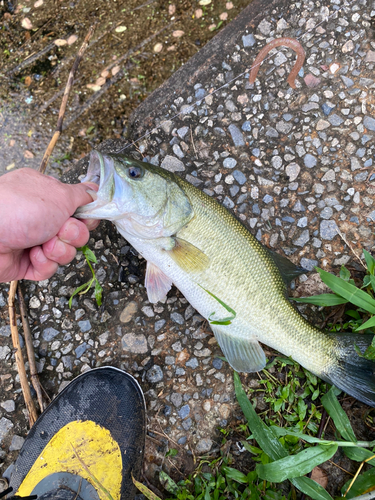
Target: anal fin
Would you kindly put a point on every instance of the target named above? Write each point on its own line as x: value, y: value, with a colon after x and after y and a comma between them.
x: 243, y: 355
x: 188, y: 257
x: 157, y: 283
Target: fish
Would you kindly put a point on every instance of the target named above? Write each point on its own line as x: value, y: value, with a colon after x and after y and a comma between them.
x: 190, y: 240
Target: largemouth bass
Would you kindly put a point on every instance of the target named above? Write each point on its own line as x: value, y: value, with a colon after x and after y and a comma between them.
x: 190, y: 240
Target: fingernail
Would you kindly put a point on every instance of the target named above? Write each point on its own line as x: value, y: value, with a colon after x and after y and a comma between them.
x: 40, y: 257
x: 70, y: 233
x: 59, y: 249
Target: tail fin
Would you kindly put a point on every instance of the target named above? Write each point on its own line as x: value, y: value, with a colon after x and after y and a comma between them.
x: 350, y: 372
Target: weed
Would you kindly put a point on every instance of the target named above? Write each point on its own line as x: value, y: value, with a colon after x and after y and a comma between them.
x: 82, y: 289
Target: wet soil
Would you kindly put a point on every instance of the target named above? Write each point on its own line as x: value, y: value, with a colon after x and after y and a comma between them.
x: 136, y: 46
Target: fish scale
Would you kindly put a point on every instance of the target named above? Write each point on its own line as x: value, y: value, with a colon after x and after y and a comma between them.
x: 192, y: 241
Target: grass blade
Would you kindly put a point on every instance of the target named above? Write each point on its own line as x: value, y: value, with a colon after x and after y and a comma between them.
x: 368, y: 324
x: 224, y: 321
x: 359, y: 455
x: 262, y: 434
x: 234, y: 474
x: 287, y: 431
x: 143, y: 489
x: 348, y: 291
x: 296, y: 465
x: 370, y: 261
x: 311, y: 488
x: 323, y: 300
x: 339, y: 417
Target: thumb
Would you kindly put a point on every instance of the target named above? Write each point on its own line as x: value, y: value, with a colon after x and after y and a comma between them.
x: 79, y: 195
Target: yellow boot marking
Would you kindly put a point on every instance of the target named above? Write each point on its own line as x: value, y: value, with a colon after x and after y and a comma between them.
x: 97, y: 455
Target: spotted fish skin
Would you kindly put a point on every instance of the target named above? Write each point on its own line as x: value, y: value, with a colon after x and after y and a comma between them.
x: 192, y: 241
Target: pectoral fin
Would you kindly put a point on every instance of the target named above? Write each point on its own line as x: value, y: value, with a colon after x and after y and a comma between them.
x: 157, y: 283
x: 243, y: 355
x: 188, y: 257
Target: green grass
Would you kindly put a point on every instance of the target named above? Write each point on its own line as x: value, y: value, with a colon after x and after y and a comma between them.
x: 82, y: 289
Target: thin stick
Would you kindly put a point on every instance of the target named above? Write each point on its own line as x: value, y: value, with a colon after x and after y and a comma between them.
x: 351, y: 248
x: 30, y: 348
x: 111, y: 81
x: 357, y: 474
x: 18, y: 355
x: 64, y: 102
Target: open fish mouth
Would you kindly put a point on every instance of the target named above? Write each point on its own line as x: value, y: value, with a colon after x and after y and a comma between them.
x: 101, y: 171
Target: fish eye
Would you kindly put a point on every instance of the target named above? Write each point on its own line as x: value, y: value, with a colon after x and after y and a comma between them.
x: 135, y: 172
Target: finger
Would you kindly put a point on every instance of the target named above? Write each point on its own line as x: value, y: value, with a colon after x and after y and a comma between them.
x: 91, y: 224
x: 40, y: 267
x: 13, y: 265
x: 58, y: 251
x: 79, y: 195
x: 74, y: 232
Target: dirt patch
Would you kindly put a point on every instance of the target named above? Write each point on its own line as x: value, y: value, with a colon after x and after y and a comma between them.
x: 136, y: 46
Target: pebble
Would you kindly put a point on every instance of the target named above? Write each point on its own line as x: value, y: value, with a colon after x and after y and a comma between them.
x: 236, y: 134
x: 308, y: 264
x: 229, y: 163
x: 17, y: 442
x: 49, y: 334
x: 369, y: 123
x: 335, y: 120
x: 8, y: 405
x: 172, y: 164
x: 178, y: 151
x: 298, y: 207
x: 192, y: 363
x: 176, y: 399
x: 302, y: 239
x: 177, y: 318
x: 322, y: 124
x: 5, y: 331
x: 5, y: 426
x: 81, y: 349
x: 310, y: 161
x: 265, y: 27
x: 326, y: 213
x: 84, y: 326
x: 204, y: 446
x: 328, y: 229
x: 292, y: 171
x: 135, y: 343
x: 128, y: 312
x: 239, y: 177
x: 248, y: 40
x: 184, y: 411
x: 159, y: 324
x: 348, y: 82
x: 154, y: 374
x: 34, y: 303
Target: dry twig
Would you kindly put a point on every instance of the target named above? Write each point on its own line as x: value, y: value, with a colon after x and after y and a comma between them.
x: 64, y: 102
x: 18, y: 355
x: 111, y: 81
x: 30, y: 348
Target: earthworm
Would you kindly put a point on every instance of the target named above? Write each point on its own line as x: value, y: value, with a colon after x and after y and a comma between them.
x: 293, y: 44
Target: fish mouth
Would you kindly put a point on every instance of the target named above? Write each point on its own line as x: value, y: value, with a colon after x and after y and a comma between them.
x: 101, y: 171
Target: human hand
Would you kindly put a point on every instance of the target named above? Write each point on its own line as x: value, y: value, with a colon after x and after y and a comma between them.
x: 37, y: 232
